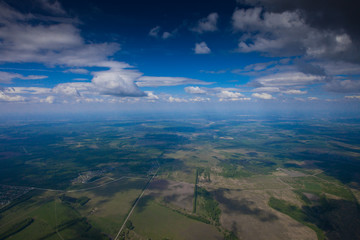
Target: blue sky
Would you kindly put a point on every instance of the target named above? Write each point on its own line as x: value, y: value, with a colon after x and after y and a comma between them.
x: 108, y: 54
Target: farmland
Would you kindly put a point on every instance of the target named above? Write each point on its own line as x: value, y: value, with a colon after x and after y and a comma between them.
x: 190, y: 179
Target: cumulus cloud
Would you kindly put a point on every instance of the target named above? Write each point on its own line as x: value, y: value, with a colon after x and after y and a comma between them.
x: 147, y: 81
x: 229, y: 94
x: 225, y: 95
x: 208, y: 24
x: 195, y: 90
x: 338, y: 15
x: 70, y: 89
x: 265, y: 96
x: 202, y: 48
x: 177, y: 100
x: 151, y: 96
x: 282, y: 76
x: 118, y: 82
x: 60, y: 43
x: 199, y: 99
x: 287, y: 34
x: 48, y: 99
x: 294, y: 91
x: 10, y: 98
x: 246, y: 19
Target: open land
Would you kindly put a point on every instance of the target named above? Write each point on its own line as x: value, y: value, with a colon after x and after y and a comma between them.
x: 239, y: 178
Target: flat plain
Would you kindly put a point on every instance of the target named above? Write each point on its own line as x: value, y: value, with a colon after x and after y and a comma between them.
x: 184, y: 179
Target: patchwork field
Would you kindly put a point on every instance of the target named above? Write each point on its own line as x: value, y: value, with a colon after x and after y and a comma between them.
x: 228, y: 179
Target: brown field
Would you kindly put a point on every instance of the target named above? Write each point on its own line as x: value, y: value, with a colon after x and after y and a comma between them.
x: 248, y: 215
x: 177, y: 194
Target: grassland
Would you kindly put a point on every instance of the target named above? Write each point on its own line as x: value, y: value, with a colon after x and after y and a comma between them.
x: 154, y: 221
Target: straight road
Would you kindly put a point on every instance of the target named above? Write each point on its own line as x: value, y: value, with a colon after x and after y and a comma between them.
x: 136, y: 202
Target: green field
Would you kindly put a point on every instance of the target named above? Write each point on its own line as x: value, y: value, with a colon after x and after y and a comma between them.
x: 157, y: 222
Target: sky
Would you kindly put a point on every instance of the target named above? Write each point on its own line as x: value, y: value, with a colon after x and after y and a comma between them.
x: 98, y: 55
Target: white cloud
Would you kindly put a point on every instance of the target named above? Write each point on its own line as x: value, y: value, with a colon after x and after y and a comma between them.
x: 154, y: 32
x: 178, y: 100
x: 266, y: 89
x: 287, y: 79
x: 353, y: 97
x: 151, y: 95
x: 266, y: 68
x: 7, y: 77
x: 259, y: 66
x: 294, y: 91
x: 11, y: 98
x: 312, y: 98
x: 234, y: 99
x: 61, y: 44
x: 117, y: 82
x: 58, y: 43
x: 33, y: 38
x: 48, y: 99
x: 69, y: 89
x: 228, y: 94
x: 277, y: 90
x: 199, y: 99
x: 147, y: 81
x: 265, y: 96
x: 202, y: 48
x: 78, y: 71
x: 225, y: 95
x: 208, y: 24
x: 33, y: 77
x: 195, y: 90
